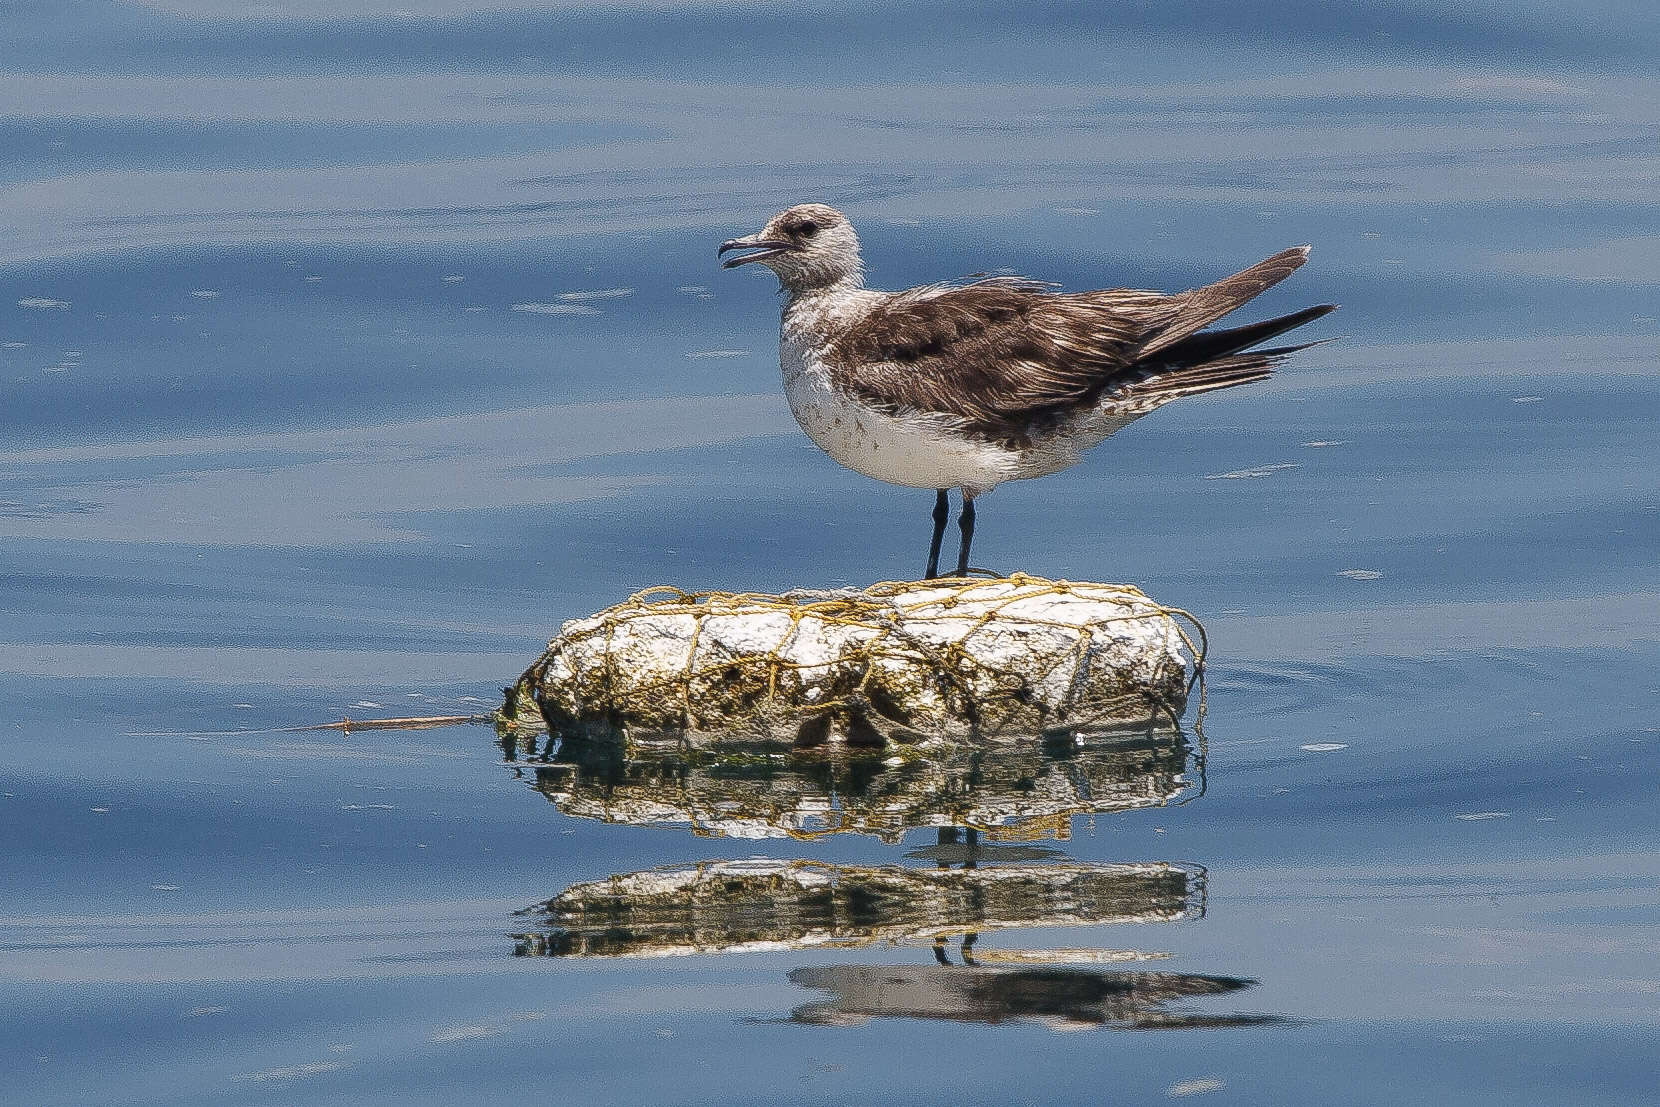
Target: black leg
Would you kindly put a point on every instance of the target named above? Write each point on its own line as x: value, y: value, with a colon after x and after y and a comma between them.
x: 965, y: 523
x: 942, y: 512
x: 947, y: 837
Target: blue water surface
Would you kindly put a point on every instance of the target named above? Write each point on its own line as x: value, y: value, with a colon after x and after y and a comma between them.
x: 348, y: 348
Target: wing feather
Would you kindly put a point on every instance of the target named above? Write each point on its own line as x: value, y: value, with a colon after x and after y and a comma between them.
x: 1003, y: 356
x: 998, y: 354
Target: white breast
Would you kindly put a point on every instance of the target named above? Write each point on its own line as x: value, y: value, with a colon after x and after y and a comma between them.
x: 915, y: 450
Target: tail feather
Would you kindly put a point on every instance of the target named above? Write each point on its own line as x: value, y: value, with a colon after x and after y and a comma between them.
x: 1210, y: 345
x: 1203, y: 306
x: 1210, y: 376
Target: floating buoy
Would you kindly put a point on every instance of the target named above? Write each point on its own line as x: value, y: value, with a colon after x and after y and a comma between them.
x: 898, y: 662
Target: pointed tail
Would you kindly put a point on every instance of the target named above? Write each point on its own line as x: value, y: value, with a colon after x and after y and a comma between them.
x: 1204, y: 306
x: 1210, y: 376
x: 1210, y: 345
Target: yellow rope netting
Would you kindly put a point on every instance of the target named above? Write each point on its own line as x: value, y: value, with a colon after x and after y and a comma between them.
x: 727, y: 684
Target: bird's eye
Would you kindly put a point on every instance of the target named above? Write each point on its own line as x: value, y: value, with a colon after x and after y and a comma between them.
x: 807, y: 229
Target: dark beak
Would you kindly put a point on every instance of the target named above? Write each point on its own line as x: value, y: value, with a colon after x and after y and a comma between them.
x: 766, y: 247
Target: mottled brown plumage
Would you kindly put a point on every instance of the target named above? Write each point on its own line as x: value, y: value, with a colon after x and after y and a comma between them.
x: 1010, y: 357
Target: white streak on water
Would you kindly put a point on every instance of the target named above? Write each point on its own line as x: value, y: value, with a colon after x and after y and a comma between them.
x: 1194, y: 1087
x: 556, y: 309
x: 1254, y: 473
x: 464, y: 1034
x: 292, y: 1072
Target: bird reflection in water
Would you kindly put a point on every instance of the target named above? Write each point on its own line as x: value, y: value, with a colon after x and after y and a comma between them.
x: 1066, y: 998
x: 988, y: 870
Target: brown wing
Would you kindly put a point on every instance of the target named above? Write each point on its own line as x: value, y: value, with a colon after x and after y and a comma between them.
x: 1002, y: 355
x: 998, y: 354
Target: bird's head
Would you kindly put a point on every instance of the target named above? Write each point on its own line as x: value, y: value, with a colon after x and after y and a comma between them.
x: 809, y: 246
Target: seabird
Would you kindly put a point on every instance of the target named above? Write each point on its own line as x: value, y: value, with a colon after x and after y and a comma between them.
x: 967, y: 385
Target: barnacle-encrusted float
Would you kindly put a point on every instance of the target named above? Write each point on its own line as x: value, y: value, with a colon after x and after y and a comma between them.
x: 899, y: 662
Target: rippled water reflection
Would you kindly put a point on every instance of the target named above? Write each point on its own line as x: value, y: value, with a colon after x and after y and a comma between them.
x: 348, y: 348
